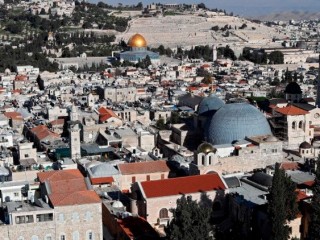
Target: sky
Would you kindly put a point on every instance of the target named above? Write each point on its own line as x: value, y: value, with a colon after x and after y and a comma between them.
x: 241, y: 7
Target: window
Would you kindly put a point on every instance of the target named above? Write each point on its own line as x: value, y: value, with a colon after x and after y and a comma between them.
x: 293, y: 125
x: 34, y: 237
x: 300, y: 124
x: 88, y: 216
x: 163, y: 213
x: 133, y: 179
x: 26, y: 155
x: 61, y: 217
x: 21, y: 238
x: 75, y: 216
x: 48, y: 237
x: 202, y: 159
x: 20, y: 219
x: 162, y: 176
x: 148, y: 177
x: 29, y: 219
x: 210, y: 160
x: 16, y: 194
x: 75, y: 235
x: 89, y: 235
x: 62, y: 237
x: 45, y: 217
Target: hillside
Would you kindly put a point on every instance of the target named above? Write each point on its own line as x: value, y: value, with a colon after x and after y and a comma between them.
x: 187, y: 30
x: 286, y: 16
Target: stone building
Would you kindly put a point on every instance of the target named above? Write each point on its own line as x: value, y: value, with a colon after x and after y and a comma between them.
x: 257, y: 152
x: 153, y: 199
x: 62, y: 203
x: 120, y: 95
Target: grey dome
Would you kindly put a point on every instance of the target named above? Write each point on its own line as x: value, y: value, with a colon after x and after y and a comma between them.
x: 102, y: 170
x: 210, y: 103
x: 235, y: 121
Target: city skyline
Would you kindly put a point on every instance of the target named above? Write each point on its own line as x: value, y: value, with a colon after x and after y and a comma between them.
x: 243, y: 7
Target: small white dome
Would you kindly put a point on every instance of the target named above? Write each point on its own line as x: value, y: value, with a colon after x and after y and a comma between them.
x: 117, y: 204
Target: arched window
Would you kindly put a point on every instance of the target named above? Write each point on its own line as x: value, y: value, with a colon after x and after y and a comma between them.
x: 163, y: 213
x: 210, y: 160
x: 293, y: 125
x: 300, y: 124
x: 202, y: 160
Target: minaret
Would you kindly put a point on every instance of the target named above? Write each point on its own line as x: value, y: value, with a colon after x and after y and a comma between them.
x: 318, y: 87
x: 74, y: 140
x: 73, y: 113
x: 214, y: 53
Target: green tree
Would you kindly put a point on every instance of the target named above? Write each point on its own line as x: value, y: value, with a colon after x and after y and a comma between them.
x: 161, y: 124
x: 314, y: 226
x: 282, y: 206
x: 276, y: 57
x: 191, y: 221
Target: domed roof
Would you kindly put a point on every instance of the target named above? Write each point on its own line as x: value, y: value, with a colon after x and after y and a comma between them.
x: 305, y: 145
x: 293, y: 88
x: 206, y: 148
x: 271, y: 139
x: 103, y: 170
x: 235, y: 121
x: 137, y: 40
x: 117, y: 204
x: 210, y: 103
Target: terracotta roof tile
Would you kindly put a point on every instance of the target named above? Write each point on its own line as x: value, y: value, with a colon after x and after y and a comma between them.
x: 68, y: 186
x: 13, y: 115
x: 102, y: 180
x: 75, y: 198
x: 59, y: 121
x: 289, y: 166
x: 59, y: 175
x: 143, y: 167
x: 291, y: 110
x: 137, y: 228
x: 105, y: 114
x: 182, y: 185
x: 42, y: 132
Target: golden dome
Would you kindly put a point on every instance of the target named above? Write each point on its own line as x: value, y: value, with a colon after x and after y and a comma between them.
x: 138, y: 41
x: 206, y: 148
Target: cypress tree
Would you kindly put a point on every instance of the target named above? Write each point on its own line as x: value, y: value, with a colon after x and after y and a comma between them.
x: 191, y: 221
x: 314, y: 227
x: 277, y: 206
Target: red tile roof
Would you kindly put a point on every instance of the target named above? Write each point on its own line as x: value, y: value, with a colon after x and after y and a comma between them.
x: 42, y: 132
x: 291, y: 110
x: 102, y: 180
x: 68, y: 187
x: 59, y: 175
x: 59, y: 121
x: 301, y: 195
x: 143, y: 167
x: 13, y: 115
x: 183, y: 185
x: 105, y: 114
x: 289, y: 166
x: 137, y: 228
x: 21, y: 78
x: 75, y: 198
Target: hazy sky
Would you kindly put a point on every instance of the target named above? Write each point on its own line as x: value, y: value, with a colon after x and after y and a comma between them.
x: 241, y: 7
